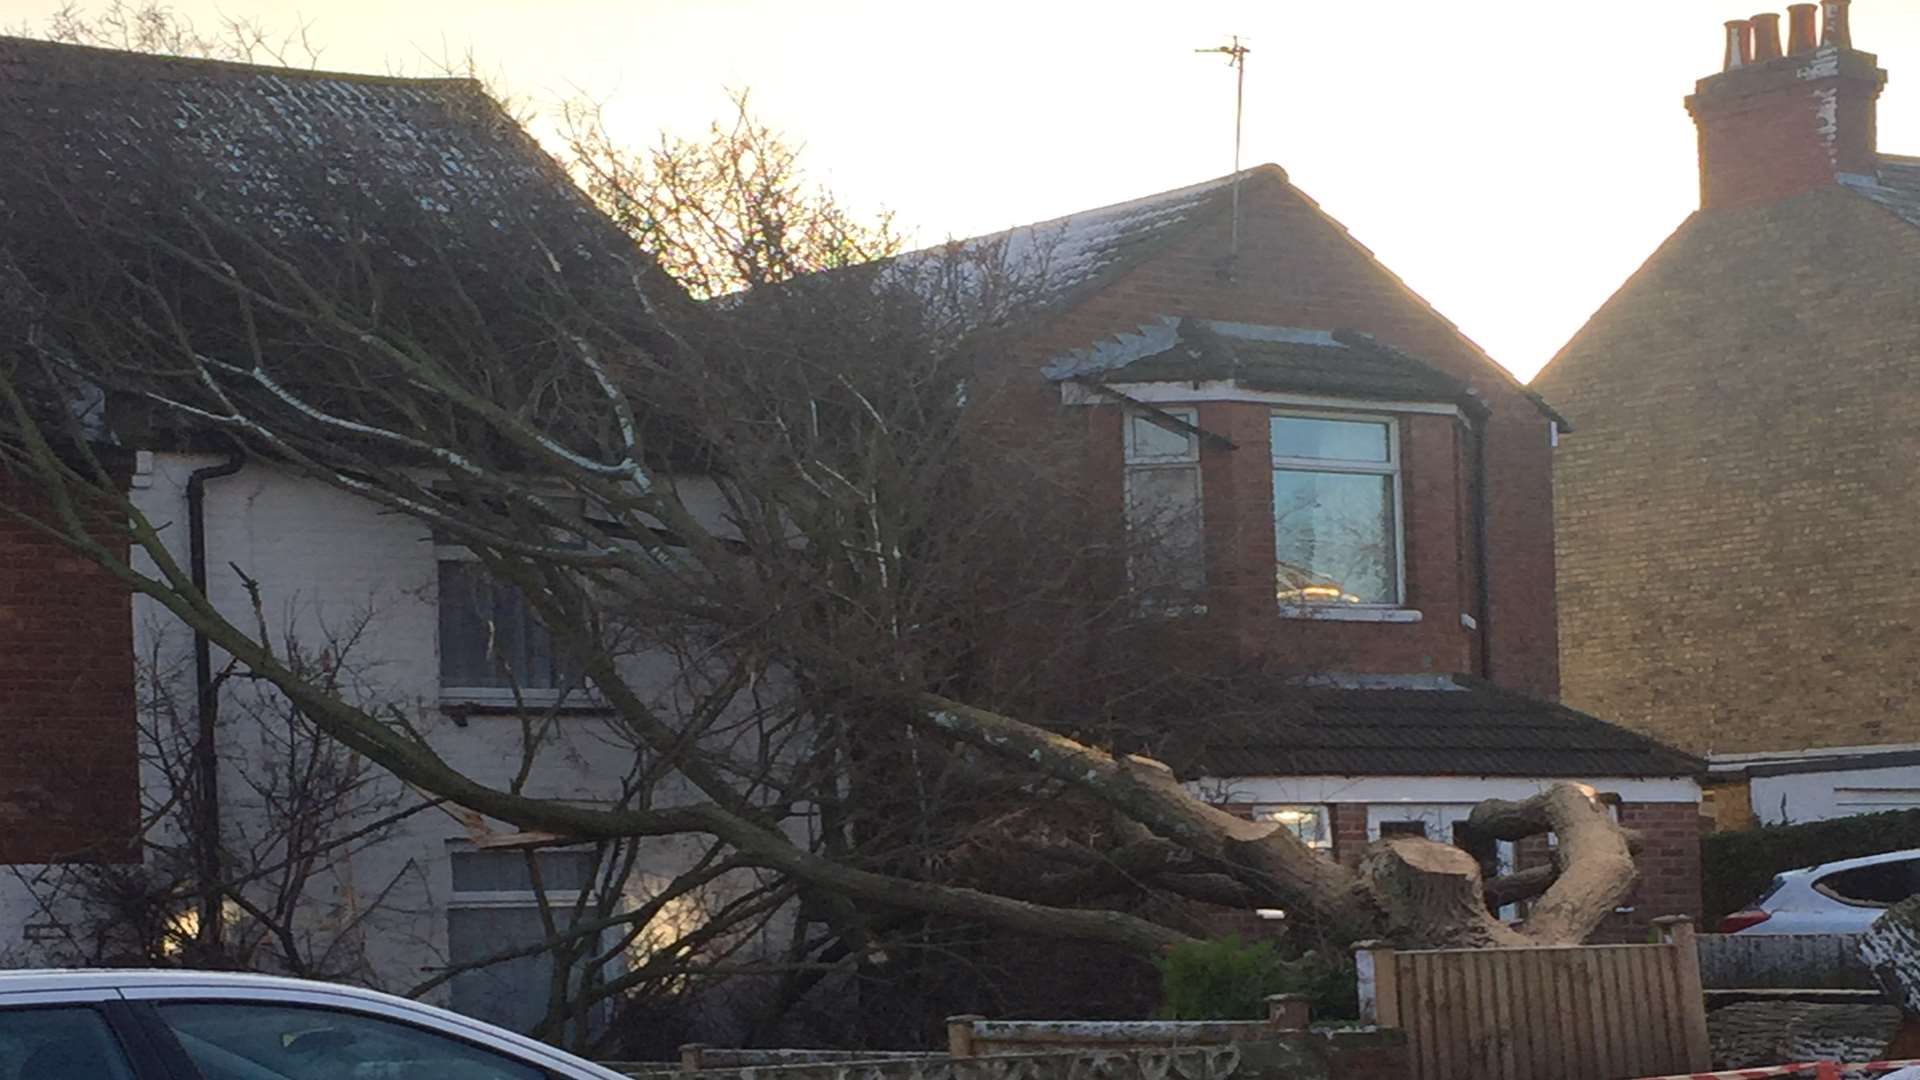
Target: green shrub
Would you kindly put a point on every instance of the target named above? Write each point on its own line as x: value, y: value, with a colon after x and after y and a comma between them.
x: 1231, y: 980
x: 1735, y: 867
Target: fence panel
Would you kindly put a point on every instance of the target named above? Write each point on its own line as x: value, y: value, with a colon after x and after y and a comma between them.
x: 1590, y: 1012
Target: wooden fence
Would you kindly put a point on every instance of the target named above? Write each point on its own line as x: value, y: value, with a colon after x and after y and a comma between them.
x: 1592, y: 1012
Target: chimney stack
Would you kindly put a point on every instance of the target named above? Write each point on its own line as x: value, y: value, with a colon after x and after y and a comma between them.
x: 1766, y: 37
x: 1801, y: 28
x: 1835, y: 31
x: 1774, y: 126
x: 1739, y: 45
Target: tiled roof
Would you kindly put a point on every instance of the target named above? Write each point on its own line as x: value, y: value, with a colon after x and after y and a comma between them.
x: 1450, y: 725
x: 1897, y: 187
x: 1339, y: 362
x: 1069, y: 255
x: 276, y: 146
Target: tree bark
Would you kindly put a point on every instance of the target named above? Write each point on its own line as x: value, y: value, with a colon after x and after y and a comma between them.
x: 1431, y: 894
x: 1891, y: 949
x: 1594, y: 853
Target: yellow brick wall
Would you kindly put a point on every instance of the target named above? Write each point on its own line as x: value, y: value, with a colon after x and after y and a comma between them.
x: 1738, y: 507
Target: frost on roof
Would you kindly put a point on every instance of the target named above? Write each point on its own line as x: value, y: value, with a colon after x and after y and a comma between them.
x: 286, y: 149
x: 1054, y: 260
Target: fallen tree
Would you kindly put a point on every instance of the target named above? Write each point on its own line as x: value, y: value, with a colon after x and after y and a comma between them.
x: 799, y: 497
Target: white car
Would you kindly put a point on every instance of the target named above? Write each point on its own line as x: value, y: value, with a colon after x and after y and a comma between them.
x: 1842, y: 897
x: 196, y: 1025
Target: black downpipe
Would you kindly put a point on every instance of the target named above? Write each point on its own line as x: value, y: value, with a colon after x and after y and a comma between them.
x: 1480, y: 560
x: 206, y: 759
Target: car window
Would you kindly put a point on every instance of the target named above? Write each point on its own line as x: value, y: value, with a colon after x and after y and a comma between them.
x: 59, y: 1043
x: 246, y: 1041
x: 1878, y: 885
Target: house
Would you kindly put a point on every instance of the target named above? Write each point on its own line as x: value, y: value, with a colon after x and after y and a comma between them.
x: 1737, y: 575
x: 373, y: 597
x: 1352, y: 496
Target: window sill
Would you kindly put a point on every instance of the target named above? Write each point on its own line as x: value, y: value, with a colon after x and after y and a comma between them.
x: 1330, y: 613
x: 459, y: 705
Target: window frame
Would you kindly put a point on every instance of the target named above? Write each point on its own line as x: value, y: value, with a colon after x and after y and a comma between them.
x: 1134, y: 463
x: 1269, y: 813
x: 454, y: 694
x: 1391, y: 468
x: 559, y: 901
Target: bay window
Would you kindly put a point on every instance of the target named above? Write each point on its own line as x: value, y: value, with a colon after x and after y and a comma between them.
x: 1336, y: 510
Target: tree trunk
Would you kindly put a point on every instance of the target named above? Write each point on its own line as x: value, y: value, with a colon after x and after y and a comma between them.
x: 1431, y: 895
x: 1891, y: 948
x: 1595, y: 857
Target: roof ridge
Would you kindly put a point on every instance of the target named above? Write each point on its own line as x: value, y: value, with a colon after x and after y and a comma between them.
x: 1138, y: 202
x: 237, y: 67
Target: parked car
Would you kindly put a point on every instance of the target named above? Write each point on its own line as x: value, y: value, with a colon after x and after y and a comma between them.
x: 194, y: 1025
x: 1842, y: 897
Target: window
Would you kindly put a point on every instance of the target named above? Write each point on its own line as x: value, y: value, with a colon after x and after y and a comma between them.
x: 490, y: 641
x: 59, y: 1042
x: 245, y: 1041
x: 1336, y: 498
x: 1309, y: 823
x: 1166, y: 562
x: 494, y: 909
x: 1403, y: 828
x: 1878, y: 885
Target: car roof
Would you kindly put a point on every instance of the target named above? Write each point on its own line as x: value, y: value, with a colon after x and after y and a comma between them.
x: 31, y: 979
x: 1822, y: 869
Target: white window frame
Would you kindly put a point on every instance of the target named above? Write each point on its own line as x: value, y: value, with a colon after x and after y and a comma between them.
x: 557, y: 900
x: 539, y: 696
x: 1389, y: 468
x: 1136, y: 462
x: 1265, y: 812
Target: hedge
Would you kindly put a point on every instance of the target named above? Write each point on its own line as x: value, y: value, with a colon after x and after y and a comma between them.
x: 1735, y: 867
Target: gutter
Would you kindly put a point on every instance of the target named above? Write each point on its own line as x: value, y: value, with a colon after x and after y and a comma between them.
x: 1481, y: 590
x: 205, y: 840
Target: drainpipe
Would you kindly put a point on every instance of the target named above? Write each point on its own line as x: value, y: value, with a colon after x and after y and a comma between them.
x: 1480, y: 560
x: 206, y: 759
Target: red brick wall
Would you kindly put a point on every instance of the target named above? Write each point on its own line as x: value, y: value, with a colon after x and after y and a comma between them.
x: 1669, y: 861
x: 1767, y: 134
x: 1297, y: 267
x: 69, y: 772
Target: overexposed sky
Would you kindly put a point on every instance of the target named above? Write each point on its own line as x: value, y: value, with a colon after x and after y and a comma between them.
x: 1513, y: 160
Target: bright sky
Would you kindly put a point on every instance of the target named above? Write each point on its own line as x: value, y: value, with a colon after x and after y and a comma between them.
x: 1514, y: 160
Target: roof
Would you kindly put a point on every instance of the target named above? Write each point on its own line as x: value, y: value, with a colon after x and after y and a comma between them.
x: 1339, y: 362
x: 1057, y: 262
x: 1417, y: 725
x: 182, y: 982
x: 278, y: 146
x: 1067, y: 256
x: 1897, y: 187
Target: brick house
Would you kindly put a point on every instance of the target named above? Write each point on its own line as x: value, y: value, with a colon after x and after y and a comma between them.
x: 1737, y: 572
x: 1354, y: 497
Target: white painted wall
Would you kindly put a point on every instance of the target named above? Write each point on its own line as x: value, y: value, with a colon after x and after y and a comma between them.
x: 323, y: 559
x: 1817, y: 796
x: 1428, y: 790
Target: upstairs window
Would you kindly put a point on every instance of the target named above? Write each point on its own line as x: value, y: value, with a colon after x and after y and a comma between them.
x: 1166, y: 562
x: 491, y: 642
x: 1336, y: 510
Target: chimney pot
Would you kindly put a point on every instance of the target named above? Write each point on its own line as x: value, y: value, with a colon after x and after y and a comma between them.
x: 1766, y: 36
x: 1801, y: 33
x: 1740, y: 43
x: 1835, y: 31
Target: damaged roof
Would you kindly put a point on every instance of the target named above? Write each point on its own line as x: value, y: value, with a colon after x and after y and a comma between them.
x: 1410, y: 725
x: 1346, y: 363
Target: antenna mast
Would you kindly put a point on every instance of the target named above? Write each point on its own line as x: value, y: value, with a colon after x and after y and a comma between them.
x: 1236, y: 55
